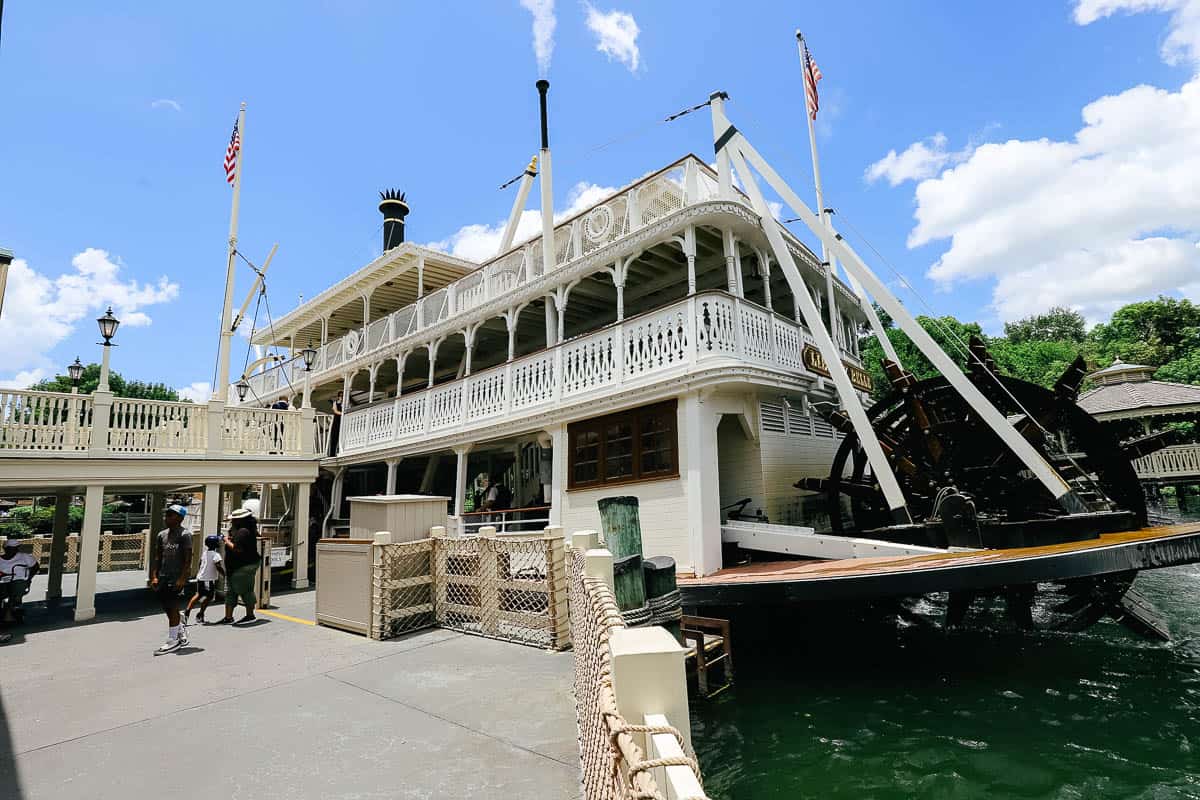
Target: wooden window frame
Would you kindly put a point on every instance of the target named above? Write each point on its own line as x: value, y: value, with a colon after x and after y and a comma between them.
x: 635, y: 417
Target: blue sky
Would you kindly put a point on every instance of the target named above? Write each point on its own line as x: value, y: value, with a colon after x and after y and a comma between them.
x: 119, y: 113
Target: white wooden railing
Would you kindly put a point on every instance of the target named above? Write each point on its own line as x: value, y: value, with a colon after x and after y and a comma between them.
x: 44, y: 421
x: 1177, y: 461
x: 101, y: 425
x: 687, y: 182
x: 658, y: 345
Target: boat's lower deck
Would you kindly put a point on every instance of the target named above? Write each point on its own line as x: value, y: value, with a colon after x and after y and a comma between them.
x: 776, y: 582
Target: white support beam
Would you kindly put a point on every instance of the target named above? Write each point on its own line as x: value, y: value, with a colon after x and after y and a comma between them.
x: 300, y: 537
x: 741, y: 150
x: 89, y: 554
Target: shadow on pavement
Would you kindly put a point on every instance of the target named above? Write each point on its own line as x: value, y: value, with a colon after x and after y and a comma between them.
x: 10, y: 781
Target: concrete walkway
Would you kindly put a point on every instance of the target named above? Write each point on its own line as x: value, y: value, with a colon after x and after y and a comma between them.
x: 281, y: 709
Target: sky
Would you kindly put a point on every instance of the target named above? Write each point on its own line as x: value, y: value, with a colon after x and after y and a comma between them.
x: 998, y: 158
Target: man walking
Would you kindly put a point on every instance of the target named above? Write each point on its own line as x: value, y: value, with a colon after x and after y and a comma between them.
x: 169, y: 573
x: 241, y: 564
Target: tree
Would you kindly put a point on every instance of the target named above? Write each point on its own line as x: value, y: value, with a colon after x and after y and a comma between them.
x: 951, y: 334
x: 1059, y: 324
x: 1151, y: 332
x: 1185, y: 369
x: 120, y: 386
x: 1034, y: 360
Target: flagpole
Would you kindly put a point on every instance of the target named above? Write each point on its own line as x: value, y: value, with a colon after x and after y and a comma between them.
x: 831, y: 263
x: 221, y: 388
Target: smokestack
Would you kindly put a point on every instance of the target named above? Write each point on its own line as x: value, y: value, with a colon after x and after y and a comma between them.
x: 547, y: 187
x: 543, y: 86
x: 394, y: 210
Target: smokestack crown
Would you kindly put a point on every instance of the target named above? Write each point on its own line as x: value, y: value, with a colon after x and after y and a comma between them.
x: 394, y: 210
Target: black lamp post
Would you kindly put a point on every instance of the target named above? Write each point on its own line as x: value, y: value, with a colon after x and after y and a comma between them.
x: 108, y: 329
x: 242, y: 387
x: 310, y: 357
x: 75, y: 373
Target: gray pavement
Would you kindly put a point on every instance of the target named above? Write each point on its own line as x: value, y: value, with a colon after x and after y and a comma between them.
x: 281, y: 709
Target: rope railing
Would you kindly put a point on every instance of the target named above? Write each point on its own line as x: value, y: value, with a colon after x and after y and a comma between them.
x: 614, y: 766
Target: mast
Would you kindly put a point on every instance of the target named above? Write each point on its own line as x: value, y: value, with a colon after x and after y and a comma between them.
x: 221, y: 386
x: 830, y: 262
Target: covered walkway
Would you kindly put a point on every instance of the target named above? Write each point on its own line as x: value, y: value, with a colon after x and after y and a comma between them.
x: 283, y: 709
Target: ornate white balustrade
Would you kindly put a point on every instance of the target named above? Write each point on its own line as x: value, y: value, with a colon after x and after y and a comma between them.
x: 660, y: 345
x: 685, y: 183
x: 1177, y: 461
x: 105, y: 426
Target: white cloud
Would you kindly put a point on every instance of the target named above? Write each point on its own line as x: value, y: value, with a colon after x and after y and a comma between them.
x: 479, y: 242
x: 616, y: 35
x: 24, y: 379
x: 40, y: 312
x: 167, y: 103
x: 1183, y: 31
x: 198, y: 392
x: 544, y: 23
x: 919, y: 160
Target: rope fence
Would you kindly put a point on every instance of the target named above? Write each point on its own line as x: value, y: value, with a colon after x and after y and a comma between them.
x: 614, y: 765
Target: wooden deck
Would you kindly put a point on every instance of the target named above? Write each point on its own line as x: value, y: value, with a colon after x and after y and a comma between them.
x: 795, y: 581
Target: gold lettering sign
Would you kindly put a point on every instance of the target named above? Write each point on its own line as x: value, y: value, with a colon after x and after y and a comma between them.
x: 859, y: 378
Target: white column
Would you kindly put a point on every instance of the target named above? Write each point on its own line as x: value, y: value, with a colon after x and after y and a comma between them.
x: 339, y: 484
x: 558, y: 472
x: 157, y: 504
x: 689, y: 250
x: 347, y: 382
x: 300, y: 537
x: 420, y: 275
x: 432, y: 347
x: 649, y: 677
x: 210, y: 519
x: 730, y: 247
x: 89, y: 554
x: 400, y: 359
x: 699, y: 442
x: 460, y: 478
x: 392, y: 470
x: 560, y: 311
x: 510, y: 320
x: 372, y: 372
x: 551, y: 321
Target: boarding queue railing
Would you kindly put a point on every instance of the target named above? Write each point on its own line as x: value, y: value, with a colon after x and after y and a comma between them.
x: 704, y: 331
x: 102, y: 425
x: 1177, y: 461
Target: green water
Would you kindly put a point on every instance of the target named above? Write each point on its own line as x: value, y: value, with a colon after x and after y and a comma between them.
x: 867, y: 707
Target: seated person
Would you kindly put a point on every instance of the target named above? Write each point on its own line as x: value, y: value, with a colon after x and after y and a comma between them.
x: 16, y: 572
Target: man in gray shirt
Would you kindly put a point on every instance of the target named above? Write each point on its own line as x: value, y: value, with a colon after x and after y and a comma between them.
x: 169, y: 571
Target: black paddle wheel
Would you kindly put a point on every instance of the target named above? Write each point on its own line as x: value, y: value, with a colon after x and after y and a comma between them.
x: 966, y: 488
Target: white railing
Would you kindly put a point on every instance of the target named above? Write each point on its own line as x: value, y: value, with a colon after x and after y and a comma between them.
x: 507, y: 521
x: 260, y: 431
x: 685, y: 183
x: 660, y: 345
x: 157, y: 426
x: 44, y: 421
x: 1177, y: 461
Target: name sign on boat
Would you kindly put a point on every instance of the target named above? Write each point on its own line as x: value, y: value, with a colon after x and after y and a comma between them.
x: 815, y: 362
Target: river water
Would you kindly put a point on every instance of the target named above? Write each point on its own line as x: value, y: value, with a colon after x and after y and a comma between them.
x: 858, y: 705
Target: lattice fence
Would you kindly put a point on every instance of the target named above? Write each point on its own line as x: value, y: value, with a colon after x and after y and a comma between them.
x: 614, y: 767
x: 511, y: 588
x: 402, y: 588
x: 118, y: 551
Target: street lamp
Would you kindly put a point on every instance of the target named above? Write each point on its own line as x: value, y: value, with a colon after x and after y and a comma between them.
x: 309, y: 355
x: 75, y: 372
x: 108, y: 329
x: 242, y: 387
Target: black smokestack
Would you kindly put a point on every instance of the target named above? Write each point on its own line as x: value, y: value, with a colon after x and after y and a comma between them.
x: 543, y: 86
x: 394, y: 210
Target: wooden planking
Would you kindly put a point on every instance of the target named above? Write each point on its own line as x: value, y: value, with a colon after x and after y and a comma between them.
x: 799, y: 571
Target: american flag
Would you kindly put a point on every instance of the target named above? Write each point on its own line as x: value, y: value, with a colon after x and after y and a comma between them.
x: 231, y: 155
x: 812, y: 74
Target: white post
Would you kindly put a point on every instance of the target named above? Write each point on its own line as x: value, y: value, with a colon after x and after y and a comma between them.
x: 703, y: 492
x: 89, y: 554
x: 102, y: 402
x: 689, y: 250
x: 58, y: 547
x: 598, y: 563
x: 221, y: 387
x: 392, y: 470
x: 585, y: 540
x: 460, y: 479
x: 103, y: 386
x: 724, y: 174
x: 649, y: 678
x: 300, y: 537
x: 558, y: 472
x: 210, y: 518
x: 514, y: 216
x: 547, y: 214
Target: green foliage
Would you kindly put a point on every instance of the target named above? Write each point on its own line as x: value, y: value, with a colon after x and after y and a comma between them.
x: 25, y: 521
x: 121, y: 387
x: 1056, y: 325
x: 1039, y: 348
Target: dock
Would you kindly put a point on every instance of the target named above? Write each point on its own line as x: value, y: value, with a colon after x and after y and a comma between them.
x: 779, y: 582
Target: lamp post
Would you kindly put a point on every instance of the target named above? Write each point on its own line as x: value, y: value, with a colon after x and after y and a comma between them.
x: 242, y: 387
x: 108, y: 329
x: 310, y: 357
x: 75, y: 372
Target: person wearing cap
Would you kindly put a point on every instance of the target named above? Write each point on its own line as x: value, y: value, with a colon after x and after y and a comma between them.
x: 16, y: 572
x: 241, y: 564
x: 169, y: 573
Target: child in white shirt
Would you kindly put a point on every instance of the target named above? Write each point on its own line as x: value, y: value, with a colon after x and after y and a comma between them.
x: 206, y: 579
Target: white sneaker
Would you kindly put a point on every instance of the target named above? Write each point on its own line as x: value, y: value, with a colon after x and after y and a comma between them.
x: 169, y: 645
